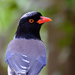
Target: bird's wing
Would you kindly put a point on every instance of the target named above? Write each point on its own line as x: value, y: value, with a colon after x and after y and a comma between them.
x: 18, y: 62
x: 37, y: 65
x: 36, y: 55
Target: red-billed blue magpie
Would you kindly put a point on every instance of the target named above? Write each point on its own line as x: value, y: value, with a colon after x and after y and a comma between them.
x: 26, y: 53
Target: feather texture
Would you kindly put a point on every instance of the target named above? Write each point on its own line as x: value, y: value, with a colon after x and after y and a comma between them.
x: 26, y: 56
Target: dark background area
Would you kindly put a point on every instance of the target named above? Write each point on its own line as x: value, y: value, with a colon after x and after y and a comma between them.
x: 58, y: 35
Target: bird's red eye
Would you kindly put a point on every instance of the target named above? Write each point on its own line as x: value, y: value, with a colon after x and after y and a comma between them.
x: 31, y: 20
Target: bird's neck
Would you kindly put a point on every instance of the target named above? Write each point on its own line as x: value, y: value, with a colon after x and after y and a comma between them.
x: 28, y: 34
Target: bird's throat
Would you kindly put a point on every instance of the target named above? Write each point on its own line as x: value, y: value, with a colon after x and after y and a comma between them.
x: 28, y: 34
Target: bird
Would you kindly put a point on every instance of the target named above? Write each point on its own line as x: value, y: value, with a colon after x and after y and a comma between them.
x: 26, y: 53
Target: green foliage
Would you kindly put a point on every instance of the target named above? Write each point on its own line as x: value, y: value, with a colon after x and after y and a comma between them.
x: 62, y: 13
x: 8, y: 11
x: 68, y: 30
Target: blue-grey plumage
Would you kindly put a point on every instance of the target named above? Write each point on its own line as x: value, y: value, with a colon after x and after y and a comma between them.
x: 26, y: 53
x: 26, y: 57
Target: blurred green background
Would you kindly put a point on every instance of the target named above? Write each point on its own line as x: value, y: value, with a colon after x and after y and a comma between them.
x: 58, y: 35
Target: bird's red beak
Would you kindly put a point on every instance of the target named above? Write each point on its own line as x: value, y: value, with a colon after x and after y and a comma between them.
x: 43, y: 20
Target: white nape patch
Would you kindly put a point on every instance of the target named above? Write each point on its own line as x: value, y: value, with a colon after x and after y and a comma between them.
x: 25, y: 15
x: 28, y: 14
x: 26, y: 61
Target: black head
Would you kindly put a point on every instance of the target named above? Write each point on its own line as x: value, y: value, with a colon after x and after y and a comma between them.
x: 29, y: 26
